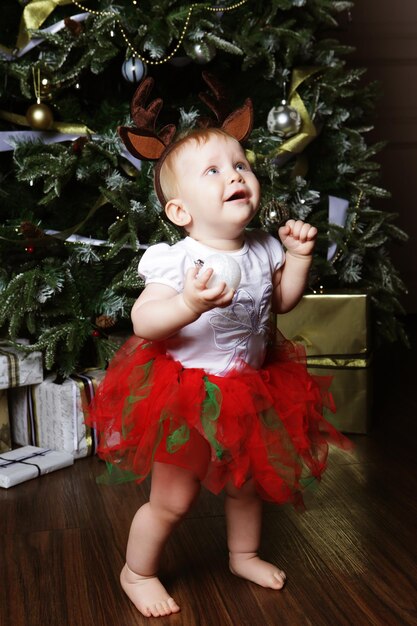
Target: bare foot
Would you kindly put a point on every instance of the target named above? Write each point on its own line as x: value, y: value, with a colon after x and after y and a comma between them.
x: 251, y: 567
x: 147, y: 594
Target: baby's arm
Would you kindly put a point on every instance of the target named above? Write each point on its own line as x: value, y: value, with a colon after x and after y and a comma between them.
x: 290, y: 281
x: 160, y: 311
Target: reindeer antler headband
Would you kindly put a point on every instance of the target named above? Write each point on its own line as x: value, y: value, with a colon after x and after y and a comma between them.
x: 146, y: 143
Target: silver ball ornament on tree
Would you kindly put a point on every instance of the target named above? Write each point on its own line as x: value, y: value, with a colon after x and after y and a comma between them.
x: 134, y: 70
x: 204, y: 52
x: 284, y: 120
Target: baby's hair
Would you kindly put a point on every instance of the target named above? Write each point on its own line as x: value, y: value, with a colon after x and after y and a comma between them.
x: 198, y: 135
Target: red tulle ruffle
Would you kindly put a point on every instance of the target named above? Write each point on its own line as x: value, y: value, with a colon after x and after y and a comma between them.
x: 267, y: 424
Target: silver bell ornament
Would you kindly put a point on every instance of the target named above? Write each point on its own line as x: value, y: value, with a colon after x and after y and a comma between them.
x: 284, y: 120
x: 134, y: 70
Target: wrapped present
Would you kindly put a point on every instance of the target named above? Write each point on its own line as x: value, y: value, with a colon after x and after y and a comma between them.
x: 335, y: 331
x: 51, y: 415
x: 18, y: 369
x: 29, y: 462
x: 351, y: 389
x: 5, y: 440
x: 329, y: 324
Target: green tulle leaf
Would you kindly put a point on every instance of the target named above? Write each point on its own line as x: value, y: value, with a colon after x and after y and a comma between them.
x: 116, y: 475
x: 177, y: 439
x: 210, y: 413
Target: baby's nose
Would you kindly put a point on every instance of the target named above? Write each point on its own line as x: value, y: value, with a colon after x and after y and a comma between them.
x: 235, y: 175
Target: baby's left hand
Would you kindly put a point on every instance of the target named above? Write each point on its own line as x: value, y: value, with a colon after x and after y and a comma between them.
x: 298, y: 237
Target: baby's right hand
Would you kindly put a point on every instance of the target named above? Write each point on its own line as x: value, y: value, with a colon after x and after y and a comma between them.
x: 199, y: 298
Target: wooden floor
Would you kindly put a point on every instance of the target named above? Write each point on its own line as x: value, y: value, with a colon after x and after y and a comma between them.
x: 351, y: 559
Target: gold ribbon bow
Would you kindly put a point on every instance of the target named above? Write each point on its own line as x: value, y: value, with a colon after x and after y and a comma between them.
x: 34, y: 15
x: 308, y: 131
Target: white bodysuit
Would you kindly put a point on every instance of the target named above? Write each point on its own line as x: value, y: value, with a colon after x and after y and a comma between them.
x: 221, y: 339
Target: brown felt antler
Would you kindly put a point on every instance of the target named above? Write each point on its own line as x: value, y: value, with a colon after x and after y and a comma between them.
x: 239, y: 122
x: 217, y: 100
x: 144, y: 142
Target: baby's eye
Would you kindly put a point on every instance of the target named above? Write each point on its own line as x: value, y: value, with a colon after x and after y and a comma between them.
x: 241, y: 167
x: 212, y: 170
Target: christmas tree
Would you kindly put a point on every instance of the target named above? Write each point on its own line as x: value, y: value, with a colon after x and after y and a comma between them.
x: 77, y: 210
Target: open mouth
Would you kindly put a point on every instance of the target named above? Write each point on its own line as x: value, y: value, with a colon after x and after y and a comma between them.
x: 238, y: 195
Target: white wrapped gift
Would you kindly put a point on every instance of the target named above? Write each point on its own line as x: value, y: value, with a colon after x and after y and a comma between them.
x: 18, y: 369
x: 52, y: 415
x: 30, y: 462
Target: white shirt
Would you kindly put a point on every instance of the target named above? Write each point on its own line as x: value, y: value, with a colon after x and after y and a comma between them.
x: 223, y: 337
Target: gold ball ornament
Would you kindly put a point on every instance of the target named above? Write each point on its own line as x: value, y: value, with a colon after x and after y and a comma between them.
x: 39, y: 116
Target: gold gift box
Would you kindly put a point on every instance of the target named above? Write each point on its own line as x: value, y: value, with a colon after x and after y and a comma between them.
x: 329, y: 324
x: 335, y: 330
x: 5, y: 439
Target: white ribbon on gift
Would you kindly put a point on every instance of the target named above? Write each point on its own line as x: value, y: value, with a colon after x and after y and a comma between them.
x: 338, y: 208
x: 8, y: 140
x: 55, y: 28
x: 90, y: 241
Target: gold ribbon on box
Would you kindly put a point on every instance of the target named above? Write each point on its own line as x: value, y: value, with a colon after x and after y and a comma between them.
x: 5, y: 439
x: 338, y: 363
x: 34, y: 15
x: 87, y: 386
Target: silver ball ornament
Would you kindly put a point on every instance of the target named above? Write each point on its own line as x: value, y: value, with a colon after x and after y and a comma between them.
x: 284, y: 121
x: 204, y: 52
x: 225, y: 269
x: 134, y: 70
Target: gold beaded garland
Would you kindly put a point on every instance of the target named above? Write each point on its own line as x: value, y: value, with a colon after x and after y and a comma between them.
x: 193, y: 6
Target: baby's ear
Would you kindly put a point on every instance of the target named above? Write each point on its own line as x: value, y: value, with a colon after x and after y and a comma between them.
x: 176, y: 213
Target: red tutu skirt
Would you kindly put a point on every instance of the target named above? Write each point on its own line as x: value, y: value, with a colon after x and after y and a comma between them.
x: 265, y: 424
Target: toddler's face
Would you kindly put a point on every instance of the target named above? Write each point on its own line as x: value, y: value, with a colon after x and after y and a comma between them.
x: 217, y: 187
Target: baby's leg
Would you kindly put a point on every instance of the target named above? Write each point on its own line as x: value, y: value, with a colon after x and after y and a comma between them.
x: 173, y: 490
x: 244, y: 520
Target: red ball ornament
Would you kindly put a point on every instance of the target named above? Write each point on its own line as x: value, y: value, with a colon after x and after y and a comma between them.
x: 30, y: 249
x: 78, y: 145
x: 96, y: 333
